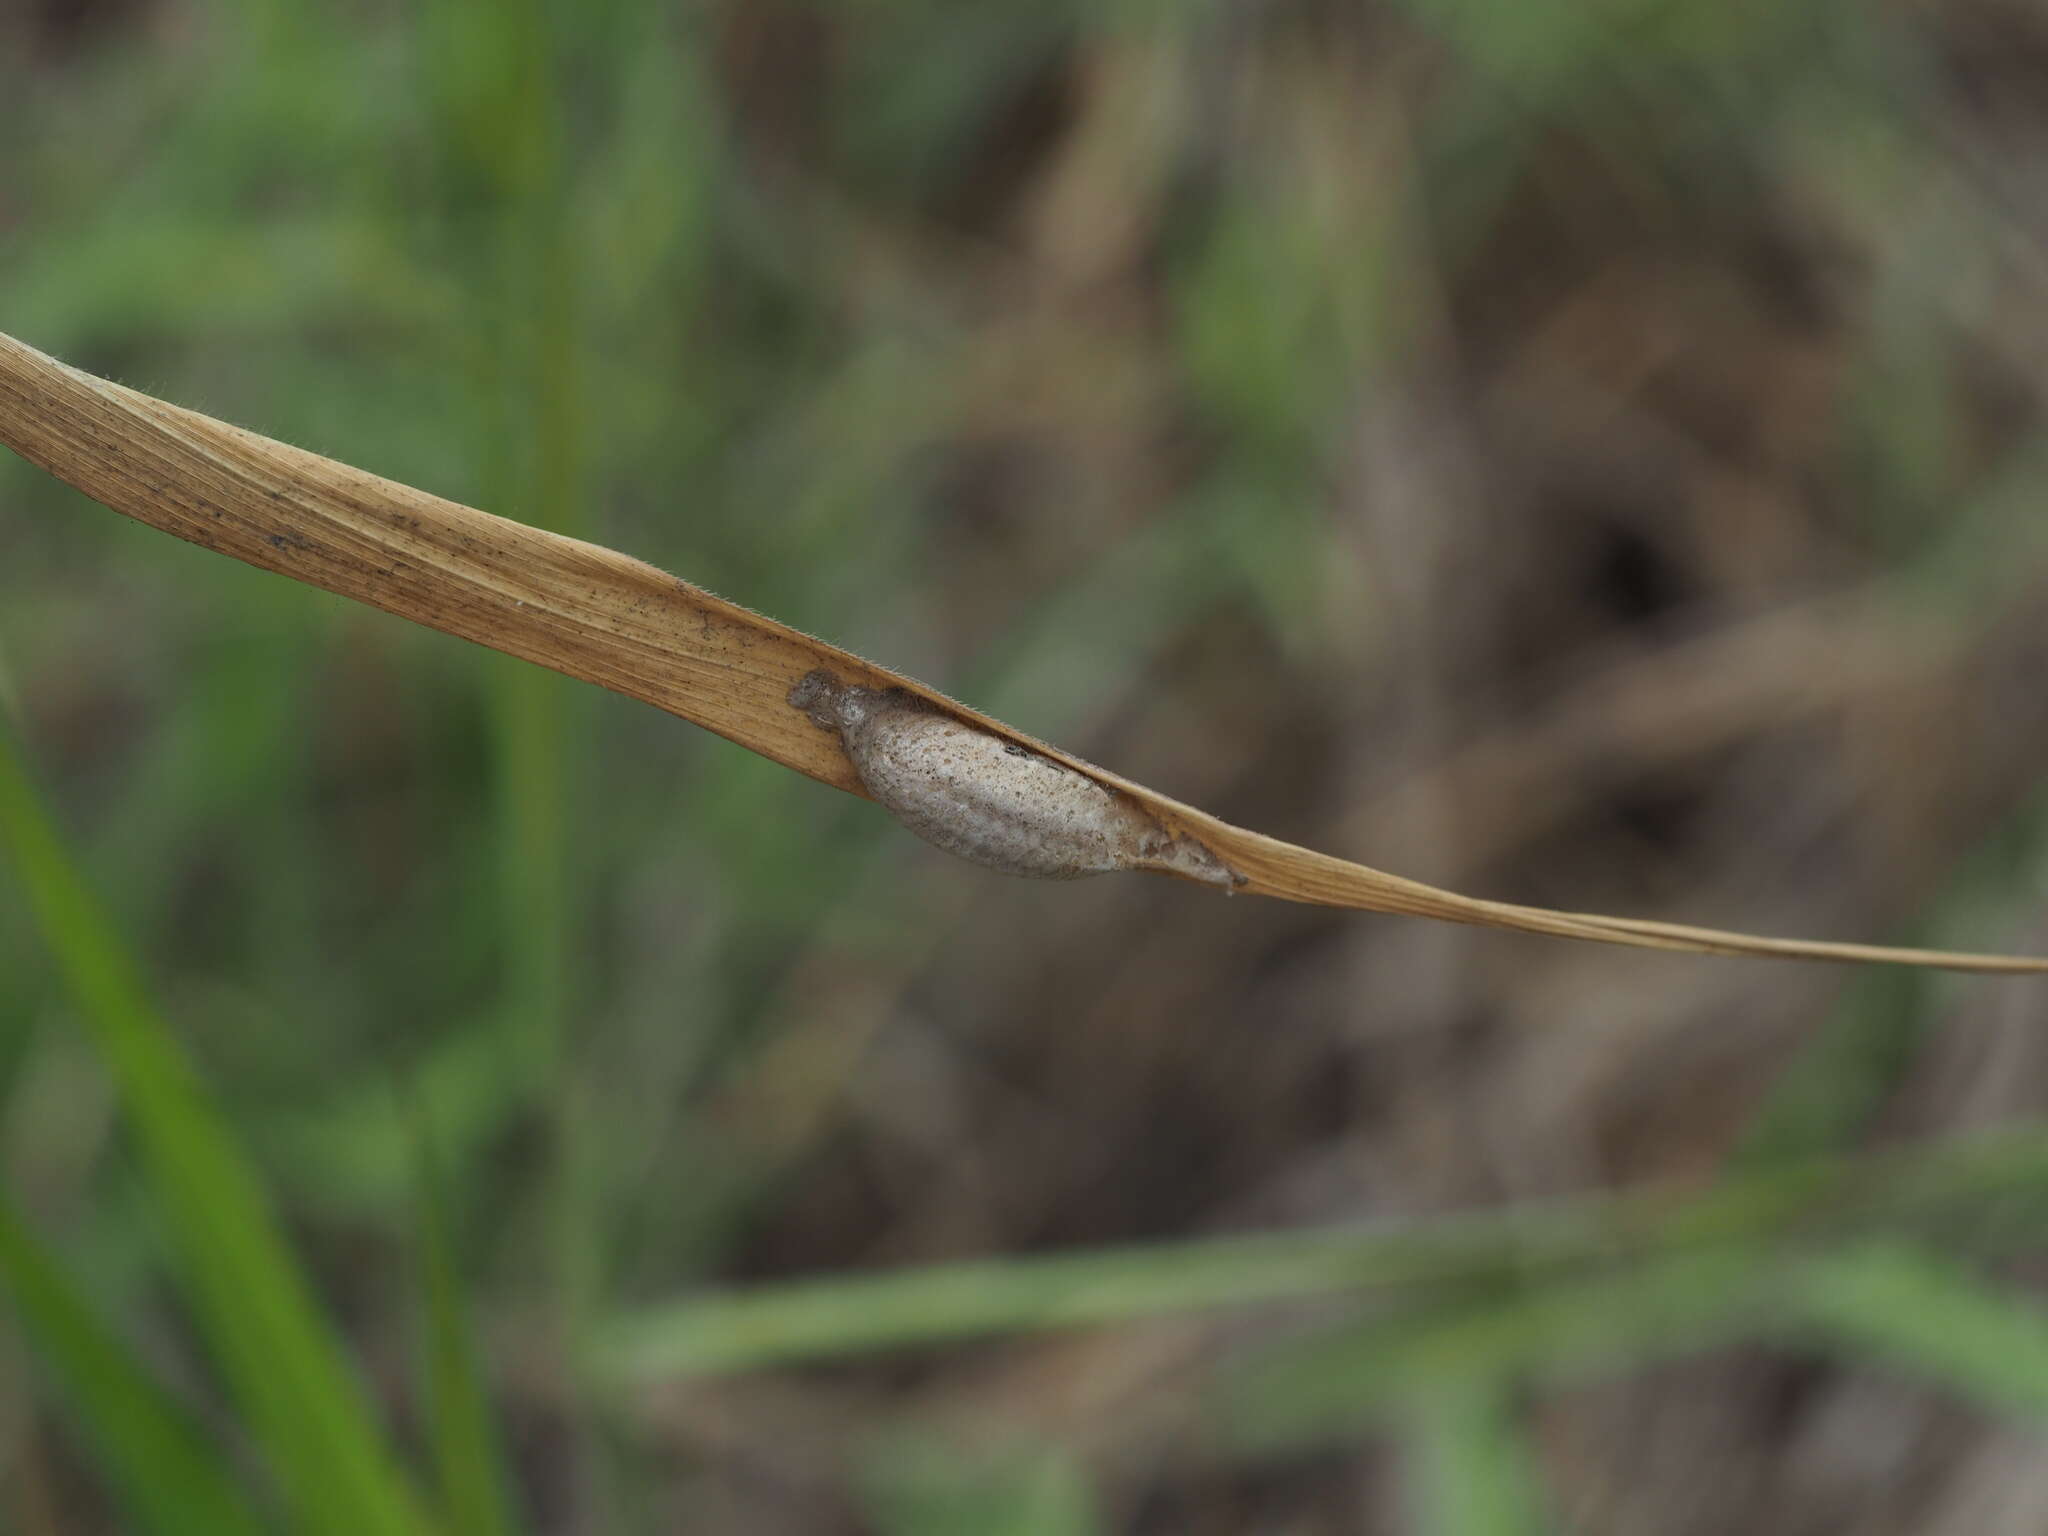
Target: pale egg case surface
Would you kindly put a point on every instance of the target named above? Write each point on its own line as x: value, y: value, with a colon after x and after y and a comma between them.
x: 990, y: 800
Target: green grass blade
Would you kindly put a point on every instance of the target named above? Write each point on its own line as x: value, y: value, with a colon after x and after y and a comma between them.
x: 1325, y: 1384
x: 285, y: 1365
x: 500, y: 68
x: 921, y: 1485
x: 1470, y: 1472
x: 474, y: 1488
x: 1906, y: 1308
x: 168, y: 1476
x: 865, y: 1313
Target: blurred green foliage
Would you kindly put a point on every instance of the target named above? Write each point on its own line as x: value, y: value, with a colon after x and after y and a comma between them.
x: 777, y: 297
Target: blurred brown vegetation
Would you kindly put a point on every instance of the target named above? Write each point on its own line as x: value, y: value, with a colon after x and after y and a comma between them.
x: 1586, y: 456
x: 1610, y: 619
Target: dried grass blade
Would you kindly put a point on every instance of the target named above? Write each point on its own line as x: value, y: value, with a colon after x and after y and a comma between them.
x: 609, y: 619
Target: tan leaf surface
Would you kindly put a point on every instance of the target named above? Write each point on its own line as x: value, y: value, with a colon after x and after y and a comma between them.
x: 609, y: 619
